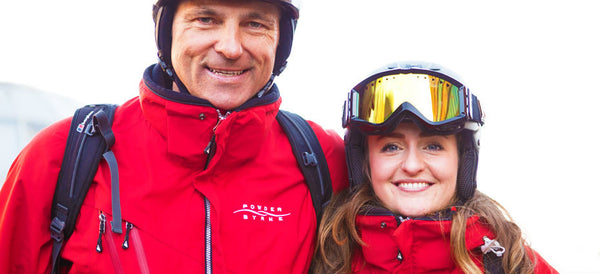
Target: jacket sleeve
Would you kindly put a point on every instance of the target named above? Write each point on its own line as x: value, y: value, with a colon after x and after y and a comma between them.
x: 333, y: 148
x: 25, y: 202
x: 541, y: 265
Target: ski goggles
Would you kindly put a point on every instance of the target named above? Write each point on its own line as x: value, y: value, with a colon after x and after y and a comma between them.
x: 442, y: 104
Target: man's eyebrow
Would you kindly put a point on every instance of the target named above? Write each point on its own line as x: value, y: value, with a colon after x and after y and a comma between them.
x: 199, y: 12
x: 207, y: 11
x: 260, y: 16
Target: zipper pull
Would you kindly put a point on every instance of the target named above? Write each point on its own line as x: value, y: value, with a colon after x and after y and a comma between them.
x: 220, y: 118
x: 400, y: 219
x: 208, y: 148
x: 102, y: 228
x: 399, y: 257
x: 128, y: 227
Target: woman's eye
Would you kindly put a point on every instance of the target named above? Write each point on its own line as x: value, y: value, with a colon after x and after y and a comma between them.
x: 434, y: 147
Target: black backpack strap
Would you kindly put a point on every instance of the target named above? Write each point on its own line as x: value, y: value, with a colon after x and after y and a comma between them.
x: 310, y: 157
x: 89, y: 138
x: 492, y: 264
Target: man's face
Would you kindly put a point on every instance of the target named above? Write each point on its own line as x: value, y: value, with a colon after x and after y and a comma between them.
x: 224, y: 51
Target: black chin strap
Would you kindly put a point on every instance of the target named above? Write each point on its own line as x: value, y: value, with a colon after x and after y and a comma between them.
x: 170, y: 73
x: 267, y: 87
x: 179, y: 84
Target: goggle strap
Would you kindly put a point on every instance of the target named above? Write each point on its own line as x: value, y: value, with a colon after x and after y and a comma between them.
x: 476, y: 113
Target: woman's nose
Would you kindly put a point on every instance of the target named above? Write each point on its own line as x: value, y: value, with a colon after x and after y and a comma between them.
x: 412, y: 162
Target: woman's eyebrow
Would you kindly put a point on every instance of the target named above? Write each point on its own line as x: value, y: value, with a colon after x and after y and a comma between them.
x: 430, y: 134
x: 390, y: 135
x: 400, y: 135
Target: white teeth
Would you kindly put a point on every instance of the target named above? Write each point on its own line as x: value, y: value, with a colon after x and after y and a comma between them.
x: 226, y: 72
x: 414, y: 185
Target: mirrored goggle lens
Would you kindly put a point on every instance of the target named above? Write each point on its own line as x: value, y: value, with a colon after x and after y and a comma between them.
x: 435, y: 98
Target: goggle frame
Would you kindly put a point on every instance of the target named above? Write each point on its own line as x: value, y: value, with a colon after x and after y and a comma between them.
x: 470, y: 115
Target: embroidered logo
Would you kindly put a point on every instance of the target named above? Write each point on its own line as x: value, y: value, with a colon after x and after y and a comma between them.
x: 262, y: 213
x: 81, y: 126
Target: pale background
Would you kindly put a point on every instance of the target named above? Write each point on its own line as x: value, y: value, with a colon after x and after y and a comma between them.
x: 533, y: 64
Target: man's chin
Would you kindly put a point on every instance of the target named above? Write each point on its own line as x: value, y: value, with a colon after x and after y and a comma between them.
x: 226, y: 98
x: 227, y: 103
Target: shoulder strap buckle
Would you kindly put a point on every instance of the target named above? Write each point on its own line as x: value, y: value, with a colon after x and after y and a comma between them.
x: 57, y: 228
x: 492, y: 246
x: 309, y: 159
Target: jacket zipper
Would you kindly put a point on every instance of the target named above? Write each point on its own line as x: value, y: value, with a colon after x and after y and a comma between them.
x: 101, y: 229
x: 207, y: 238
x: 399, y: 221
x: 128, y: 227
x: 112, y: 249
x: 138, y: 248
x: 210, y: 152
x: 131, y: 234
x: 88, y: 131
x: 212, y: 145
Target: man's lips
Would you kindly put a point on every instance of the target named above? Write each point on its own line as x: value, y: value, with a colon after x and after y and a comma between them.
x: 227, y: 73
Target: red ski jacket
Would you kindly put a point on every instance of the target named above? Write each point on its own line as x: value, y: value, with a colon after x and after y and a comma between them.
x: 418, y: 246
x: 247, y: 210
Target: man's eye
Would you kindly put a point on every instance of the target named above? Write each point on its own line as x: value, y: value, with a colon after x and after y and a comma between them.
x: 206, y: 20
x: 255, y: 25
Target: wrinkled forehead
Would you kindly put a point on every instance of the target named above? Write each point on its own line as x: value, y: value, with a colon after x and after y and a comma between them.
x: 263, y: 6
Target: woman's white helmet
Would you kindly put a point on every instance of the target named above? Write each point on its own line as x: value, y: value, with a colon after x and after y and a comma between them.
x: 394, y: 93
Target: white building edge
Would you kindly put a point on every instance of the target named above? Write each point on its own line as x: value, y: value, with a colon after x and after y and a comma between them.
x: 24, y: 111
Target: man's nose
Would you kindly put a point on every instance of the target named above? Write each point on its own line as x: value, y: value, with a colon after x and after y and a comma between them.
x: 229, y: 43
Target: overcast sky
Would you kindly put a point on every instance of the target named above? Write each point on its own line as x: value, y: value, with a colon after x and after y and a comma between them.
x: 533, y: 64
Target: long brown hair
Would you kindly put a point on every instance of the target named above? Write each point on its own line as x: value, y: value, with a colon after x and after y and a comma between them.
x: 338, y: 237
x: 508, y: 234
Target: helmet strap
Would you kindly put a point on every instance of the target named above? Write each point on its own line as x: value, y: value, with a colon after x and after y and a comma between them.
x: 267, y: 87
x: 466, y: 182
x: 182, y: 88
x: 355, y: 155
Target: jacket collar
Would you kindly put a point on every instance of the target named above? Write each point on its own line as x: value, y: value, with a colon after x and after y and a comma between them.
x: 423, y: 228
x: 187, y: 123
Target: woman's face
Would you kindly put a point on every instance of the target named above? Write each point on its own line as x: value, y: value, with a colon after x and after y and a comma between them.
x: 413, y: 172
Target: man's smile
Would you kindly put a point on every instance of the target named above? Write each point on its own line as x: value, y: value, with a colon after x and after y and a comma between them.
x: 221, y: 72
